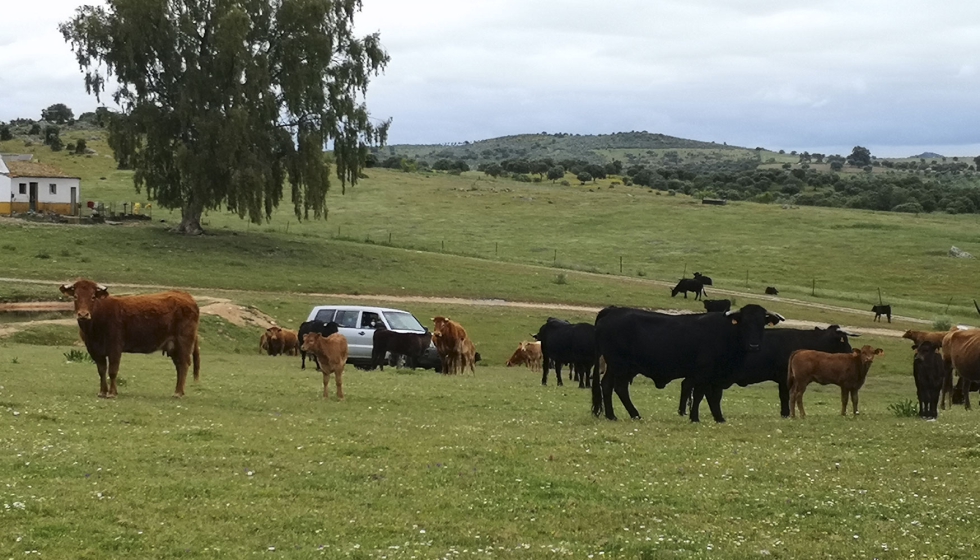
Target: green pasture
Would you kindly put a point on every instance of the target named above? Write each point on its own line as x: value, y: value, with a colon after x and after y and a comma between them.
x: 415, y: 464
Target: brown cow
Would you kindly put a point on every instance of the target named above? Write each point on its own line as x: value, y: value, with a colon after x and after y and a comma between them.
x: 450, y: 343
x: 918, y: 337
x: 847, y: 371
x: 331, y: 354
x: 468, y: 357
x: 527, y: 354
x: 264, y: 343
x: 140, y: 324
x: 928, y: 371
x: 290, y: 342
x: 274, y: 341
x: 961, y: 351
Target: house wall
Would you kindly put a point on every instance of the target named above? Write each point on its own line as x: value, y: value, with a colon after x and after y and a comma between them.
x: 59, y: 202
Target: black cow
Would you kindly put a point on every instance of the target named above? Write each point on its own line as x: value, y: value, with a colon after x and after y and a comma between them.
x: 771, y: 363
x: 689, y: 285
x: 410, y: 345
x: 771, y: 291
x: 707, y: 347
x: 928, y: 371
x: 705, y: 280
x: 565, y: 343
x: 880, y: 310
x: 717, y: 305
x: 325, y: 330
x: 957, y: 390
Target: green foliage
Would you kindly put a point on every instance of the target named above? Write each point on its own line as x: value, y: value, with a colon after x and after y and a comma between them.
x: 5, y: 133
x: 942, y: 323
x: 78, y: 356
x: 225, y: 101
x: 59, y: 113
x: 555, y: 173
x: 80, y: 146
x: 860, y: 157
x: 52, y: 138
x: 584, y: 177
x: 904, y: 409
x: 561, y: 279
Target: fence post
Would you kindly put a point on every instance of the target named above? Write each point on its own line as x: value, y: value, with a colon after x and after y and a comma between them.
x: 495, y: 247
x: 389, y: 238
x: 813, y: 289
x: 443, y: 245
x: 556, y: 257
x: 620, y: 264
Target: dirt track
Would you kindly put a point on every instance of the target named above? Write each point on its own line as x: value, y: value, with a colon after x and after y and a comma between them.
x: 242, y: 316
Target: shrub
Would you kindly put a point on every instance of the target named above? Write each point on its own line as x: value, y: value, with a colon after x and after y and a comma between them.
x: 561, y: 279
x: 942, y: 323
x: 42, y: 255
x: 565, y: 183
x: 80, y: 146
x: 77, y: 356
x: 904, y: 409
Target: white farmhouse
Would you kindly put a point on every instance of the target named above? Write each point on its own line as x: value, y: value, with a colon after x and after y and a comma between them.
x: 28, y: 186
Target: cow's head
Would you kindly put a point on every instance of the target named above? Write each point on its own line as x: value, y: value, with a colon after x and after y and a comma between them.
x: 309, y: 340
x: 274, y: 333
x: 85, y: 293
x: 925, y: 348
x: 867, y: 355
x: 439, y: 321
x: 751, y: 321
x: 838, y: 338
x: 519, y: 356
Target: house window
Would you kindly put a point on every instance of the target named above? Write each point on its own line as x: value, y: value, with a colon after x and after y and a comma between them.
x: 53, y: 188
x: 23, y: 188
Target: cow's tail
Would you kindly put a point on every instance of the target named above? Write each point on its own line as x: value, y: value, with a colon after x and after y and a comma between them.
x: 977, y: 306
x: 196, y: 356
x: 789, y: 373
x: 597, y: 385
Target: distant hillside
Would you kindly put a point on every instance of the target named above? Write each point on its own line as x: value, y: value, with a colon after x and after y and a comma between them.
x: 600, y: 148
x: 928, y: 155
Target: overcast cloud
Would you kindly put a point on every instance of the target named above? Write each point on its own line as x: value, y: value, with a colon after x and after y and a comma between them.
x: 897, y: 76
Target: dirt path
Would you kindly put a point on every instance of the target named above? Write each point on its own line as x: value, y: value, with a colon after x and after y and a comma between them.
x: 247, y: 316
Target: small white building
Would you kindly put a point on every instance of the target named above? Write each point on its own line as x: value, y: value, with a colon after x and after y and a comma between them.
x: 28, y: 186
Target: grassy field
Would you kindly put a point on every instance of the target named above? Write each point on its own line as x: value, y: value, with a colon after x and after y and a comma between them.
x: 417, y: 465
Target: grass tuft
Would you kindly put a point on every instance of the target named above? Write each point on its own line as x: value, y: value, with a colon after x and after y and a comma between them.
x: 904, y: 408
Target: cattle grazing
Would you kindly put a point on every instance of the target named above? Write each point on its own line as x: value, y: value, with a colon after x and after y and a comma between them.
x: 410, y: 345
x: 140, y: 324
x: 928, y: 371
x: 565, y: 343
x: 705, y: 280
x: 325, y: 329
x: 933, y: 337
x: 707, y: 347
x: 961, y: 352
x: 469, y: 357
x: 449, y: 343
x: 331, y: 354
x: 689, y: 285
x: 847, y: 371
x: 771, y: 291
x: 770, y: 362
x: 880, y: 310
x: 274, y: 342
x: 717, y: 305
x: 264, y: 343
x: 527, y: 354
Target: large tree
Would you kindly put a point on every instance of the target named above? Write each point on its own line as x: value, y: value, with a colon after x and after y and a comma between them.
x: 59, y: 113
x: 224, y: 100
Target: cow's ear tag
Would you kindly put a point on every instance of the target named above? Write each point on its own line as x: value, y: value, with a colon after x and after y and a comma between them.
x: 734, y: 321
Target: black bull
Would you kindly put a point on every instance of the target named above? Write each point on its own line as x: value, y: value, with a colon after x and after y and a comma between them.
x: 771, y: 361
x: 708, y: 347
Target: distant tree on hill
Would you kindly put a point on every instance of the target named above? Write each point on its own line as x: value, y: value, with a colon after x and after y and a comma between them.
x: 817, y: 158
x: 80, y: 146
x: 539, y: 168
x: 596, y: 171
x: 836, y: 165
x: 976, y: 161
x: 584, y: 177
x: 5, y: 133
x: 859, y: 157
x: 556, y: 172
x: 493, y: 170
x: 52, y: 138
x: 615, y: 167
x: 35, y: 129
x: 58, y: 113
x: 226, y: 103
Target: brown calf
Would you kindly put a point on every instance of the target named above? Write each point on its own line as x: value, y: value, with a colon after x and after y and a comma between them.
x: 331, y: 354
x: 527, y: 354
x: 918, y: 337
x: 847, y: 371
x: 450, y: 336
x: 264, y: 343
x: 140, y: 324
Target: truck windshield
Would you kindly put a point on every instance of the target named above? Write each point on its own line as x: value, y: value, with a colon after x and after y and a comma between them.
x: 402, y: 321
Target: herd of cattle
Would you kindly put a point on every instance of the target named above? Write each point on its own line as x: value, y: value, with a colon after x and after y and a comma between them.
x: 709, y: 351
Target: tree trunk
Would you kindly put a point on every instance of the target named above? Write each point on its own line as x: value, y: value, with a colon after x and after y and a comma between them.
x: 190, y: 219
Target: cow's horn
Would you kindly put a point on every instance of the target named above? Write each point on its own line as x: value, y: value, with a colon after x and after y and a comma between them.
x: 852, y: 335
x: 729, y: 312
x: 781, y: 318
x: 66, y: 286
x: 101, y: 288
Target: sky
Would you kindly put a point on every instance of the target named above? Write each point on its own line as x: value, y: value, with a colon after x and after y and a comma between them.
x: 897, y: 76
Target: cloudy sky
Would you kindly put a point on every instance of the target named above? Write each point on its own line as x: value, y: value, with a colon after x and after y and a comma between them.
x: 897, y: 76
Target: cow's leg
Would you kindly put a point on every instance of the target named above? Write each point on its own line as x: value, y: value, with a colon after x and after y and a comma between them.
x: 302, y: 354
x: 796, y: 399
x: 966, y: 392
x: 622, y: 388
x: 783, y: 399
x: 697, y: 395
x: 687, y: 387
x: 607, y: 394
x: 181, y: 364
x: 339, y: 377
x: 854, y: 401
x: 558, y: 373
x: 714, y: 395
x: 583, y: 375
x: 544, y: 370
x: 326, y: 384
x: 843, y: 401
x: 101, y: 362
